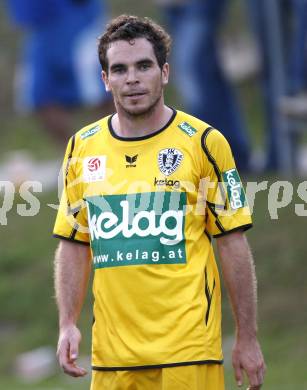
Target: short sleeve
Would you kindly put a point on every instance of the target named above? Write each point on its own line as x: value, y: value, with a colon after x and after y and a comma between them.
x: 226, y: 204
x: 71, y: 221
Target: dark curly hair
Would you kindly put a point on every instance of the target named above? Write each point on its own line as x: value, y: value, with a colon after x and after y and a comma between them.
x: 128, y: 28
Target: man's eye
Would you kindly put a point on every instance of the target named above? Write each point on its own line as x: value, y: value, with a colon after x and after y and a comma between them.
x: 144, y: 66
x: 118, y: 70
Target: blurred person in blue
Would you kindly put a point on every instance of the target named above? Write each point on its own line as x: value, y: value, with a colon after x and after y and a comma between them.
x: 281, y: 32
x: 59, y: 69
x: 204, y: 89
x: 298, y: 58
x: 295, y: 103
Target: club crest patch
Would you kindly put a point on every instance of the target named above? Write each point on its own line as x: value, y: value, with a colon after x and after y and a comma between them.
x: 169, y: 160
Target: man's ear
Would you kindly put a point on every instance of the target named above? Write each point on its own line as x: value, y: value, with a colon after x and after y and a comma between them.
x: 165, y: 74
x: 104, y: 78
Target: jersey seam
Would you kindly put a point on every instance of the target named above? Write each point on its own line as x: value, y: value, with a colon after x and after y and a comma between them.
x: 208, y: 235
x: 211, y: 159
x: 75, y: 228
x: 153, y: 366
x: 71, y: 239
x: 217, y: 221
x: 215, y: 205
x: 68, y: 162
x: 209, y: 295
x: 133, y: 139
x: 241, y: 227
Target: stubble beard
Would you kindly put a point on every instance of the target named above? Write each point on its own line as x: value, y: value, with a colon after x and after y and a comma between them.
x: 143, y: 113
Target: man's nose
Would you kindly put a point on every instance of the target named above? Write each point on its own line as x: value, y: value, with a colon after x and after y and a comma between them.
x: 132, y: 77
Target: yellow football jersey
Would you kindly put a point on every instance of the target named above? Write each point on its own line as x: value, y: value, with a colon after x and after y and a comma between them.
x: 148, y: 207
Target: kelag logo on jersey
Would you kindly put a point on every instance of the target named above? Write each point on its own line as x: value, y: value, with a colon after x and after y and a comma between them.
x: 187, y: 128
x: 137, y: 229
x: 166, y: 183
x: 90, y: 132
x: 235, y: 189
x: 169, y: 160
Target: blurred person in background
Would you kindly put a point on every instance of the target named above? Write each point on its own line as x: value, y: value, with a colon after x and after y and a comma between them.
x: 199, y: 77
x: 59, y: 68
x: 280, y: 29
x: 295, y: 104
x: 298, y: 54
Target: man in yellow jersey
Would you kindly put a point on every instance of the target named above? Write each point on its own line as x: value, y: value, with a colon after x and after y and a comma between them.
x: 145, y: 190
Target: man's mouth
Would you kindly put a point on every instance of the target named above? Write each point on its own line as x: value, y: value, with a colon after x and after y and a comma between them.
x: 135, y: 94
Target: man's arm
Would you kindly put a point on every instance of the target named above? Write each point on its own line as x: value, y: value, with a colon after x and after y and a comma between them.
x: 72, y: 270
x: 239, y: 275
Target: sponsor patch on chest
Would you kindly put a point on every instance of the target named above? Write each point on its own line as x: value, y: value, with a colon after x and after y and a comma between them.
x: 94, y: 169
x: 137, y: 229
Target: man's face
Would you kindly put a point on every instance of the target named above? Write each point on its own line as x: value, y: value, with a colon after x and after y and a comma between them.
x: 134, y: 76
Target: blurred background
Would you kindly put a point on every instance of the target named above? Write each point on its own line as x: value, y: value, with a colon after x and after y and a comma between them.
x: 239, y: 65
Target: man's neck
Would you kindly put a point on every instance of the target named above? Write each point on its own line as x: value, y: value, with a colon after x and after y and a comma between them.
x: 138, y: 126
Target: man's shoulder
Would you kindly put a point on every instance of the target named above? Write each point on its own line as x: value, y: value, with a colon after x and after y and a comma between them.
x: 193, y: 127
x: 200, y: 133
x: 84, y: 140
x: 92, y: 130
